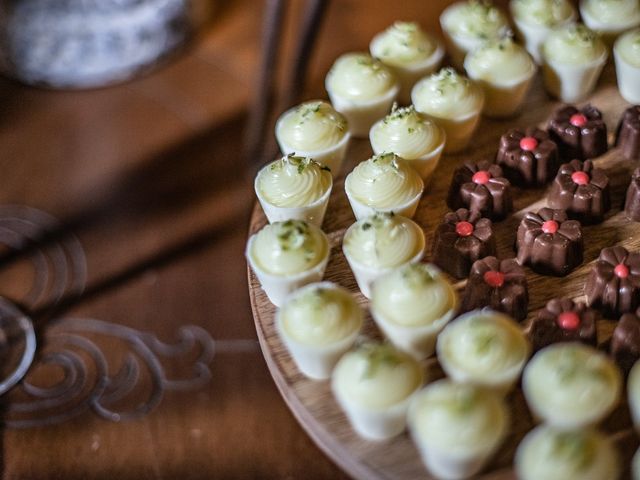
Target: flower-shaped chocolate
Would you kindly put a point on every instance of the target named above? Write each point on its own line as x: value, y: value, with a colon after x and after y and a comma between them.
x: 460, y: 240
x: 529, y: 158
x: 632, y: 201
x: 481, y: 187
x: 628, y: 133
x: 580, y: 133
x: 625, y: 341
x: 581, y: 190
x: 549, y: 242
x: 499, y: 284
x: 563, y: 320
x: 613, y: 285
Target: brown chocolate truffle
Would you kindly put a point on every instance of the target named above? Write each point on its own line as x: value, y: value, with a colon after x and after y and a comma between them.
x: 529, y: 158
x: 613, y: 285
x: 460, y: 240
x: 499, y: 284
x: 481, y: 187
x: 580, y: 134
x: 628, y: 133
x: 625, y: 341
x: 581, y: 190
x: 632, y: 201
x: 549, y: 242
x: 562, y: 320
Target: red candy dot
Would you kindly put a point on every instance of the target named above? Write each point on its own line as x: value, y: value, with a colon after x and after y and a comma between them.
x: 528, y: 143
x: 464, y: 229
x: 550, y: 226
x: 621, y: 270
x: 581, y: 178
x: 481, y: 177
x: 578, y: 120
x: 494, y: 279
x: 568, y: 320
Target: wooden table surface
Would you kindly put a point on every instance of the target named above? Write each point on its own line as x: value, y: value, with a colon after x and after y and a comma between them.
x: 149, y: 177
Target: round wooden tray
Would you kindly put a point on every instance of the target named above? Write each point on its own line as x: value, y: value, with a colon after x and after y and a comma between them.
x: 312, y: 402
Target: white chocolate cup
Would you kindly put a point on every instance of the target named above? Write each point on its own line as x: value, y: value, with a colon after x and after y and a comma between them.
x: 634, y: 403
x: 609, y: 33
x: 628, y: 78
x: 332, y: 157
x: 277, y: 287
x: 572, y: 83
x: 362, y: 114
x: 362, y: 210
x: 458, y: 130
x: 446, y: 466
x: 533, y: 36
x: 312, y: 213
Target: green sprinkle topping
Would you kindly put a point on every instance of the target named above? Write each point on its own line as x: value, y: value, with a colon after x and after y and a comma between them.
x: 378, y: 356
x: 574, y: 446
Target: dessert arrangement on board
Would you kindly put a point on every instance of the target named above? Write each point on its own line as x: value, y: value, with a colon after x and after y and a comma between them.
x: 465, y: 314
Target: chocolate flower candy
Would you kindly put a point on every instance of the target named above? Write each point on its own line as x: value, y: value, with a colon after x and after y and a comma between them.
x: 614, y: 282
x: 481, y: 187
x: 580, y: 133
x: 562, y: 320
x: 529, y: 158
x: 625, y: 341
x: 632, y: 202
x: 549, y: 242
x: 460, y: 240
x: 581, y: 190
x: 628, y: 133
x: 499, y: 284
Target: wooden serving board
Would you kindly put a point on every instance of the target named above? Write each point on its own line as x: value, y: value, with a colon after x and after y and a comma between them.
x: 312, y: 402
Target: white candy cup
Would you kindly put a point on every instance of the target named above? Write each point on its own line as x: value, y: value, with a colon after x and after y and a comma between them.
x: 634, y: 403
x: 362, y: 210
x: 447, y: 466
x: 628, y: 78
x: 608, y: 32
x: 333, y: 157
x: 312, y: 213
x: 362, y: 114
x: 534, y: 36
x: 571, y: 83
x: 418, y: 341
x: 458, y: 130
x: 277, y: 287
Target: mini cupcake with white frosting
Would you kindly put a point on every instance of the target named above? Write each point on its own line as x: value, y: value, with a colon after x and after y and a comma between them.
x: 536, y: 19
x: 286, y: 256
x: 409, y: 52
x: 295, y: 188
x: 454, y: 102
x: 551, y: 454
x: 467, y: 25
x: 374, y: 384
x: 314, y: 129
x: 362, y: 89
x: 484, y: 348
x: 610, y: 18
x: 626, y: 53
x: 573, y: 58
x: 319, y: 323
x: 457, y: 427
x: 383, y: 183
x: 571, y: 385
x: 412, y: 136
x: 411, y: 305
x: 504, y: 70
x: 375, y: 245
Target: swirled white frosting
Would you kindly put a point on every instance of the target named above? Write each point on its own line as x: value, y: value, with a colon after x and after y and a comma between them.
x: 312, y: 126
x: 403, y: 43
x: 447, y: 94
x: 376, y: 376
x: 574, y: 44
x: 384, y: 240
x: 628, y: 47
x: 384, y: 181
x: 406, y: 133
x: 547, y: 13
x: 413, y: 295
x: 475, y: 19
x: 293, y: 181
x: 321, y: 314
x: 612, y: 12
x: 287, y: 248
x: 359, y: 77
x: 498, y: 62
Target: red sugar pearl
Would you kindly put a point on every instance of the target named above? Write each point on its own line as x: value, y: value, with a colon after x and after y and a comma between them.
x: 494, y: 279
x: 464, y: 229
x: 621, y: 270
x: 568, y: 320
x: 550, y: 226
x: 578, y: 120
x: 528, y: 144
x: 581, y: 178
x: 481, y: 177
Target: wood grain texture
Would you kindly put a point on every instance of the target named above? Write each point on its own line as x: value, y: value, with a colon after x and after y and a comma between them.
x: 312, y: 402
